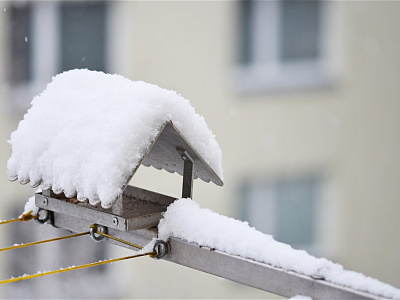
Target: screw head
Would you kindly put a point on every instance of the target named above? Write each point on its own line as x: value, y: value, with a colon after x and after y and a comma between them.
x: 115, y: 221
x: 317, y: 277
x: 45, y: 202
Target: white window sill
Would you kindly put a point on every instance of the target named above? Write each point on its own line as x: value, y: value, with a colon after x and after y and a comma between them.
x: 273, y: 77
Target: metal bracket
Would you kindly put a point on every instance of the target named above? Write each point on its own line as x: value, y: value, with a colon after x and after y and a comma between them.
x: 187, y: 186
x: 136, y: 209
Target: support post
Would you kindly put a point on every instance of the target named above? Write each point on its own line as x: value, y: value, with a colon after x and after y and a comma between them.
x: 187, y: 186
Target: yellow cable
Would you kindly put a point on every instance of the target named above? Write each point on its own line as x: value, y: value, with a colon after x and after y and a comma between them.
x: 151, y: 254
x: 28, y: 216
x: 44, y: 241
x: 25, y: 217
x: 114, y: 238
x: 73, y: 268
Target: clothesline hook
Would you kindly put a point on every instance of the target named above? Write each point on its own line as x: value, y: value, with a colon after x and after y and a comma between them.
x: 94, y: 229
x: 43, y: 216
x: 161, y: 248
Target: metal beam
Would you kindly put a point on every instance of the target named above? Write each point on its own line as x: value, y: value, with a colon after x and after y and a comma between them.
x: 138, y: 209
x: 256, y: 274
x: 235, y: 268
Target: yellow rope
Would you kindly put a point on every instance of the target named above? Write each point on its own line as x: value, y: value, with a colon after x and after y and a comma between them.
x: 114, y: 238
x: 25, y: 217
x: 73, y: 268
x: 25, y: 277
x: 151, y: 254
x: 44, y: 241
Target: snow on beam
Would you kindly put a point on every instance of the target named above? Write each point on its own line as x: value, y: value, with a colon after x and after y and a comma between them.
x: 256, y: 274
x: 245, y: 250
x: 245, y: 271
x: 206, y: 241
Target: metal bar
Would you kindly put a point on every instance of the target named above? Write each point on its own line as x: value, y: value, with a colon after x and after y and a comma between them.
x: 136, y: 213
x: 235, y: 268
x: 187, y: 186
x: 140, y: 237
x: 66, y: 208
x: 256, y: 274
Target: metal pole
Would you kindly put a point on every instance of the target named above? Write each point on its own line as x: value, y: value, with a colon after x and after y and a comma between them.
x: 245, y: 271
x: 187, y: 186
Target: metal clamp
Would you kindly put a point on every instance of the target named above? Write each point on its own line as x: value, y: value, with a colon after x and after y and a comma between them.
x: 94, y: 232
x: 42, y: 219
x: 162, y: 248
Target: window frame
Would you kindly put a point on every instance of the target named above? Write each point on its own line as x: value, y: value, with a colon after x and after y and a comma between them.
x: 266, y: 73
x: 267, y: 186
x: 45, y: 60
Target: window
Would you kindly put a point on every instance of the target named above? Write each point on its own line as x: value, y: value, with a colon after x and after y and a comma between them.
x: 288, y: 208
x: 48, y: 37
x: 20, y: 24
x: 83, y: 35
x: 284, y: 45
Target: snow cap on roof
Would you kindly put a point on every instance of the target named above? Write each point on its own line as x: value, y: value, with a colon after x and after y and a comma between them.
x: 87, y: 131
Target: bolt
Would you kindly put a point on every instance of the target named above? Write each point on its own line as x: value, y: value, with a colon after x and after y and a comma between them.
x: 45, y: 202
x: 317, y: 277
x: 115, y: 221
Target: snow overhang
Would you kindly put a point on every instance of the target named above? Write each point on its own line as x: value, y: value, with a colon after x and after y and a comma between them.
x: 88, y: 132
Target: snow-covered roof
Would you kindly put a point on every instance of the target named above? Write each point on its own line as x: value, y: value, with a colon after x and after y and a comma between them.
x: 88, y: 132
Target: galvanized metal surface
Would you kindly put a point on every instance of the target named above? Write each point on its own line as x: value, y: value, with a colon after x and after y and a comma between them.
x: 138, y: 209
x: 163, y: 155
x: 187, y: 185
x: 244, y: 271
x: 140, y: 237
x: 257, y: 275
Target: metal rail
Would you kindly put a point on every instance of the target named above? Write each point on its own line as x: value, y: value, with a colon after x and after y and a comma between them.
x: 235, y: 268
x: 256, y: 274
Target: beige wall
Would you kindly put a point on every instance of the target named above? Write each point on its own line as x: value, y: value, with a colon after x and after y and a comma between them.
x: 370, y: 165
x: 349, y: 132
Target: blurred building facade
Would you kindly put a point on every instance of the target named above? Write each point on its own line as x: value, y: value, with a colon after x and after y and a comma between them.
x: 302, y: 96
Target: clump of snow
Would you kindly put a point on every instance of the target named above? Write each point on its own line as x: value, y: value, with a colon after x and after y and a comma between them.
x: 30, y: 206
x: 87, y: 131
x: 184, y: 219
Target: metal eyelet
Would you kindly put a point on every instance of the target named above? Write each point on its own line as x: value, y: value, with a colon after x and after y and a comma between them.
x: 162, y: 248
x: 42, y: 219
x: 94, y: 229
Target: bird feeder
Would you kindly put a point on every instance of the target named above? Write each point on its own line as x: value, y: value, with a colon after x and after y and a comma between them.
x: 84, y: 139
x: 137, y: 208
x: 87, y: 134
